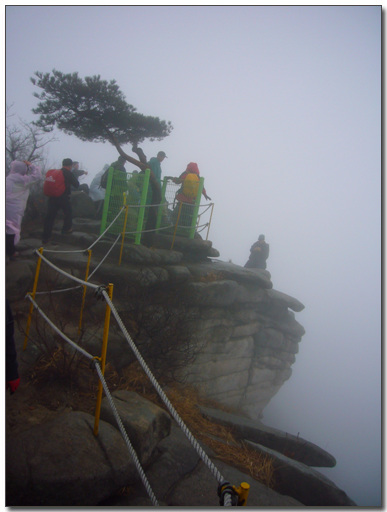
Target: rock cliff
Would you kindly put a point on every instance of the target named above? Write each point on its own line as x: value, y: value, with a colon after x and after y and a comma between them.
x: 238, y: 334
x: 214, y: 325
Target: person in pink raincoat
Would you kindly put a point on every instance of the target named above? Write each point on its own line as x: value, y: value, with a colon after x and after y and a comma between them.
x: 17, y: 189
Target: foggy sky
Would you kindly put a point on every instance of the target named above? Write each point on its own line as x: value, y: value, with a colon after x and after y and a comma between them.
x: 281, y: 109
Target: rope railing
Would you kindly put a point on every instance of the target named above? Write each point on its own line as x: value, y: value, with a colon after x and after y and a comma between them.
x: 226, y: 490
x: 125, y: 436
x: 216, y: 473
x: 108, y: 395
x: 66, y: 274
x: 106, y: 255
x: 101, y: 291
x: 95, y: 241
x: 57, y: 330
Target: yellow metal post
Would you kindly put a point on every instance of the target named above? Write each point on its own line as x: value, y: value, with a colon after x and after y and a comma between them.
x: 177, y: 223
x: 84, y: 292
x: 103, y: 360
x: 123, y: 234
x: 33, y: 296
x: 243, y: 493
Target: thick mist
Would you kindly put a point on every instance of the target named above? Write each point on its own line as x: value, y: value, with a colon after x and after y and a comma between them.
x: 281, y: 109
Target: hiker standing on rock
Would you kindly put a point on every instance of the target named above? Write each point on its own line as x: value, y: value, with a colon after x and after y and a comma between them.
x: 154, y: 191
x: 57, y: 187
x: 97, y: 193
x: 78, y: 173
x: 187, y: 192
x: 17, y: 184
x: 259, y: 252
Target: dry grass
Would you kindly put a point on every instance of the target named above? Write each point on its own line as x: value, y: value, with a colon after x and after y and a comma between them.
x: 220, y: 439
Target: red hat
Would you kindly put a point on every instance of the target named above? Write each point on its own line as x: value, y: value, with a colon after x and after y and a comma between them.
x: 193, y: 167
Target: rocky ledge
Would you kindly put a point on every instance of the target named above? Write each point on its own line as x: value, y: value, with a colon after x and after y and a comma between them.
x: 62, y: 463
x: 245, y: 340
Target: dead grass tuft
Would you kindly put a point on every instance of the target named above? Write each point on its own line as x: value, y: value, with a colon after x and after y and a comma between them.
x: 219, y: 438
x: 185, y: 399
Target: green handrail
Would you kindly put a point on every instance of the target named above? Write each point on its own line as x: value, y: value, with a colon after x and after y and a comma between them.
x: 141, y: 213
x: 196, y: 209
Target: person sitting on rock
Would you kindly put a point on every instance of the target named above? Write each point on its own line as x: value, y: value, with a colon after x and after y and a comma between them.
x: 259, y: 252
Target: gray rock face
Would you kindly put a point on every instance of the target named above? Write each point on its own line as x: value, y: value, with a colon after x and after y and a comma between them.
x: 304, y: 483
x: 178, y: 477
x: 247, y: 339
x: 82, y: 205
x: 292, y: 446
x: 62, y: 463
x: 145, y: 423
x: 245, y: 335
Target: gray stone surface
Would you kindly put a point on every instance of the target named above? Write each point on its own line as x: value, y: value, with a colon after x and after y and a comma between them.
x: 294, y: 447
x: 62, y: 463
x: 20, y: 280
x: 289, y: 301
x: 145, y: 423
x: 231, y: 304
x: 178, y: 477
x: 303, y: 482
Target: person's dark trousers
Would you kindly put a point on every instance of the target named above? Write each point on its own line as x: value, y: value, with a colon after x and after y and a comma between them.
x: 150, y: 225
x: 10, y: 244
x: 148, y: 236
x: 55, y: 204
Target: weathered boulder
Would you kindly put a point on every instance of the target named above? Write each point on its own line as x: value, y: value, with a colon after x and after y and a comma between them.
x: 20, y: 280
x: 224, y: 270
x: 62, y: 463
x: 232, y: 310
x: 178, y: 477
x: 292, y: 446
x: 303, y: 482
x: 117, y: 350
x: 195, y: 249
x: 145, y: 423
x: 287, y: 300
x: 82, y: 205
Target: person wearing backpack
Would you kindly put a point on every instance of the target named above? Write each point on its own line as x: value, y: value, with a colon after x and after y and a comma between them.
x: 189, y: 180
x: 57, y: 187
x: 187, y: 193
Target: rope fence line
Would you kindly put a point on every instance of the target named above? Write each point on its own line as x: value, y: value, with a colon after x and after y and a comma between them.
x: 108, y: 395
x: 95, y: 241
x: 66, y: 274
x: 106, y: 255
x: 107, y: 229
x: 161, y: 393
x: 102, y: 291
x: 124, y: 434
x: 57, y: 330
x: 226, y: 490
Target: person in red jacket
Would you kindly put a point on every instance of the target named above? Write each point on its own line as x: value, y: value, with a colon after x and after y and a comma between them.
x: 61, y: 203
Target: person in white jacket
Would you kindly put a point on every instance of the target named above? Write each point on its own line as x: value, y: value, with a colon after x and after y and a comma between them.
x: 96, y: 192
x: 17, y: 189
